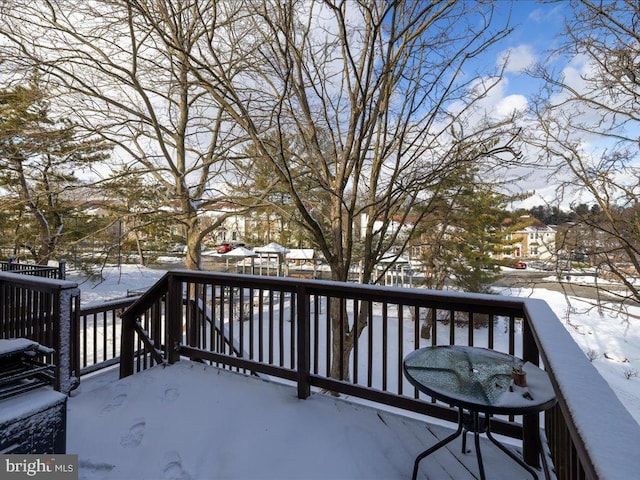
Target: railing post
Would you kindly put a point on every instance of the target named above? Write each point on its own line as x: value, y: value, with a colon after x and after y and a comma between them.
x: 303, y: 341
x: 530, y: 423
x: 11, y: 260
x: 65, y: 311
x: 62, y: 269
x: 174, y: 319
x: 127, y: 340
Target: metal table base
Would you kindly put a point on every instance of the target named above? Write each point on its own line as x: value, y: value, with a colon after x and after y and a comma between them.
x: 472, y: 422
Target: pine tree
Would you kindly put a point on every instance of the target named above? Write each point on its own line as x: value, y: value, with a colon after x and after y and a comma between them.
x: 40, y: 156
x: 464, y: 236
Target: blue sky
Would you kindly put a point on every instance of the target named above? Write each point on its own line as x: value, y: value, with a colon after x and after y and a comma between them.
x: 535, y: 28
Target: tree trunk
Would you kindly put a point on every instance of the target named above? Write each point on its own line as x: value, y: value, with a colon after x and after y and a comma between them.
x: 139, y: 248
x: 193, y: 258
x: 425, y: 328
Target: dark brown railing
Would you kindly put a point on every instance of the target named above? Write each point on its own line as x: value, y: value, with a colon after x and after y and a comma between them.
x: 280, y: 327
x: 254, y: 323
x: 45, y: 311
x: 99, y: 329
x: 44, y: 271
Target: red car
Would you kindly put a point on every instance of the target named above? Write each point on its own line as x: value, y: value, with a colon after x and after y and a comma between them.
x: 510, y: 262
x: 224, y: 248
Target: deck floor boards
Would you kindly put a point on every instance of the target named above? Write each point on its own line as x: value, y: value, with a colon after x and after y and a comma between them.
x: 192, y: 422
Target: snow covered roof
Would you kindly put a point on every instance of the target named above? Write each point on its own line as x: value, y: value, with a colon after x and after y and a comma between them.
x: 301, y: 254
x: 240, y: 252
x: 272, y: 247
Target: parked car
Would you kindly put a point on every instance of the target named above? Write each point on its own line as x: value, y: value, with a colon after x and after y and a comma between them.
x: 224, y: 247
x: 540, y: 265
x: 179, y: 248
x: 513, y: 263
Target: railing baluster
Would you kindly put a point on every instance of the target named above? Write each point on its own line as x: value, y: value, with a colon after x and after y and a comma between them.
x: 329, y: 338
x: 281, y: 327
x: 356, y: 343
x: 213, y: 333
x: 341, y: 326
x: 303, y: 359
x: 452, y: 330
x: 370, y: 328
x: 316, y: 333
x: 261, y: 326
x: 385, y: 318
x: 293, y: 327
x: 241, y: 317
x: 512, y: 335
x: 231, y: 315
x: 223, y: 301
x: 491, y: 331
x: 270, y: 324
x: 400, y: 348
x: 434, y: 326
x: 251, y: 323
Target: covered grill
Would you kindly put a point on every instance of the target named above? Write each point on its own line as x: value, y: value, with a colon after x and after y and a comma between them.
x: 32, y: 414
x: 21, y: 369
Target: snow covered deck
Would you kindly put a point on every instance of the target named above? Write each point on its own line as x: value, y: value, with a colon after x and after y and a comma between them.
x: 192, y: 421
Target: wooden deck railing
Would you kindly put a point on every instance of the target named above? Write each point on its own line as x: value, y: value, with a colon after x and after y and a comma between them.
x: 44, y: 271
x: 99, y: 331
x: 284, y: 331
x: 282, y: 328
x: 45, y: 311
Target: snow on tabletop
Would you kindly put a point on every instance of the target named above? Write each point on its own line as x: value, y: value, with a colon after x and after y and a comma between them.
x: 538, y: 390
x: 16, y: 345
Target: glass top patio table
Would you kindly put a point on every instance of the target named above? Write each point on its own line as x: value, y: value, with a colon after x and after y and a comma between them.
x: 478, y: 379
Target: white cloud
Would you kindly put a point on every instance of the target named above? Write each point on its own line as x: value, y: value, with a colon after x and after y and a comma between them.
x: 518, y: 58
x: 511, y: 104
x: 541, y: 16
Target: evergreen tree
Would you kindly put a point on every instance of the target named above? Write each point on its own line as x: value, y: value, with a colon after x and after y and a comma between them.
x: 463, y: 239
x: 39, y: 158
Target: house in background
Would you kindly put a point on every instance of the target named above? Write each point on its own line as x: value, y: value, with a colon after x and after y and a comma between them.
x: 534, y: 241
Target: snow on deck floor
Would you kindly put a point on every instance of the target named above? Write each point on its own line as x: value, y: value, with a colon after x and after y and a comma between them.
x: 192, y: 421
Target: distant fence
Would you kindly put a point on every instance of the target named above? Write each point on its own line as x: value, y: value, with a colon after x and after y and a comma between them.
x: 44, y: 271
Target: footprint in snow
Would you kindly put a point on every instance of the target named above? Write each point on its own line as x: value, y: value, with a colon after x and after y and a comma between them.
x: 95, y: 466
x: 173, y: 470
x: 134, y: 436
x: 171, y: 395
x: 114, y: 403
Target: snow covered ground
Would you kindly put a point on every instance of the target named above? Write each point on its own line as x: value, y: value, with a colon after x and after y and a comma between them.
x: 189, y: 421
x: 611, y: 340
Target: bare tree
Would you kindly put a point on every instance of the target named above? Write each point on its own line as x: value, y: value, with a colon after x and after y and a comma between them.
x: 588, y: 119
x: 361, y: 108
x: 121, y: 70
